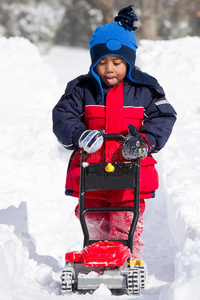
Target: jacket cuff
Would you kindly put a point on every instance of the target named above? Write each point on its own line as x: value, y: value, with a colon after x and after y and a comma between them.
x: 150, y: 140
x: 76, y: 136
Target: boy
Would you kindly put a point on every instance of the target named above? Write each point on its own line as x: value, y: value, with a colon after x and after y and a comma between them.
x: 116, y: 97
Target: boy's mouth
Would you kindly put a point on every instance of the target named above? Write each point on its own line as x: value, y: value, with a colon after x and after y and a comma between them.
x: 111, y: 81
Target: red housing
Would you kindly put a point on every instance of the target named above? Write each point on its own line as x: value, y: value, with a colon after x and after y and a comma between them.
x: 100, y: 254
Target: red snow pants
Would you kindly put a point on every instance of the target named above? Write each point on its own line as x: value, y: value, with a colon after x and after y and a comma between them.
x: 114, y: 225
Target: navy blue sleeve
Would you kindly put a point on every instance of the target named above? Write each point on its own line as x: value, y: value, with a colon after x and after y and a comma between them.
x: 67, y: 117
x: 159, y: 119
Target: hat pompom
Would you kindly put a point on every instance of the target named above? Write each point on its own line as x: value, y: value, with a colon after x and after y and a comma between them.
x: 126, y: 17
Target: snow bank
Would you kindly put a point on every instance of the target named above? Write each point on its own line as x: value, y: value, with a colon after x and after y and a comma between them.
x: 21, y: 276
x: 28, y: 91
x: 177, y: 65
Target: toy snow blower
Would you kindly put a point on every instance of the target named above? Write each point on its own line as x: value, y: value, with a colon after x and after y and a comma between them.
x: 106, y: 262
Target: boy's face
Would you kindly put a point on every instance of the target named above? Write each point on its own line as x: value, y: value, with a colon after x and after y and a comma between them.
x: 111, y: 69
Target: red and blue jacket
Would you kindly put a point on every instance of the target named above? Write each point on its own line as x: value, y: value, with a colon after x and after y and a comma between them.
x: 86, y: 106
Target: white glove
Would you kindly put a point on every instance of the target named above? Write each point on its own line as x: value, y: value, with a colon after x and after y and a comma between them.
x: 91, y: 140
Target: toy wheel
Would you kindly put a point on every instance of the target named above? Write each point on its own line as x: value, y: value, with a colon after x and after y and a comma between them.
x: 133, y: 281
x: 142, y: 271
x: 67, y: 281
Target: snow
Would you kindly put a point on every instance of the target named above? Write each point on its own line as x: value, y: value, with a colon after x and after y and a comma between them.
x: 37, y: 222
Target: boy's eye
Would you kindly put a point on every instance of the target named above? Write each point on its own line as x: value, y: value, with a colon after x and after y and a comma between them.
x: 116, y: 63
x: 101, y: 62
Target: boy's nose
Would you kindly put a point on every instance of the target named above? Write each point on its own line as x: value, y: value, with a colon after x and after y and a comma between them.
x: 109, y: 67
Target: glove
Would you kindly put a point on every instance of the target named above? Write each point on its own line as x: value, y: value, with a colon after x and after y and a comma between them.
x: 135, y: 146
x: 91, y: 140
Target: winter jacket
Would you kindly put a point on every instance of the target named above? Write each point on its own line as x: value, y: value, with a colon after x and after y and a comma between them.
x: 83, y: 107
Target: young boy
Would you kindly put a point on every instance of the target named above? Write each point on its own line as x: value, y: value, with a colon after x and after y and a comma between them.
x: 119, y: 98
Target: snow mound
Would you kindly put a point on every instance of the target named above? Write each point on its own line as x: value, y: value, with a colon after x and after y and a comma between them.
x: 21, y: 275
x: 177, y: 65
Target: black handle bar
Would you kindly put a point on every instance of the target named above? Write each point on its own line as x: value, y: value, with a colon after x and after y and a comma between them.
x: 114, y: 136
x: 84, y: 179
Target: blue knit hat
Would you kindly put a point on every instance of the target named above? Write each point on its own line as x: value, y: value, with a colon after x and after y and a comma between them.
x: 117, y: 38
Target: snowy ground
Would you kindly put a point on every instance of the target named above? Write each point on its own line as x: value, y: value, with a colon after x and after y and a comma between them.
x: 37, y: 224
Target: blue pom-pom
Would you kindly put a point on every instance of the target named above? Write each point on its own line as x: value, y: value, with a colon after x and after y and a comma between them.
x: 126, y: 17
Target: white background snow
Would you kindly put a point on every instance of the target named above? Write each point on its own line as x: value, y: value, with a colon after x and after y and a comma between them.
x: 37, y: 222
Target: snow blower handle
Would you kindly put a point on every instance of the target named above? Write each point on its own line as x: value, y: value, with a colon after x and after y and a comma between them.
x: 113, y: 136
x: 104, y: 177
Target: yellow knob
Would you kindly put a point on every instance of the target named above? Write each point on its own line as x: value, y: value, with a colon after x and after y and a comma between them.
x: 109, y: 167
